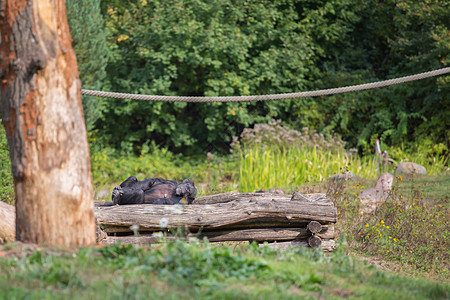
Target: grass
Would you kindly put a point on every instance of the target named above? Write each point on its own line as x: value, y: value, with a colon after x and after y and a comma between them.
x: 411, y: 228
x: 110, y: 169
x: 275, y: 167
x: 283, y: 168
x: 177, y: 270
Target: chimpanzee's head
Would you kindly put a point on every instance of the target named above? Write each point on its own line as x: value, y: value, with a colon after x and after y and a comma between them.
x: 187, y: 190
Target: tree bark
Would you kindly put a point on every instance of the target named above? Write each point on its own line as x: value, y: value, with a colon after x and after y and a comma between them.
x: 42, y: 113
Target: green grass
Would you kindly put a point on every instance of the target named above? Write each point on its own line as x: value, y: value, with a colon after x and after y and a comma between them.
x: 110, y: 169
x: 275, y: 167
x: 416, y: 214
x: 410, y: 229
x: 177, y: 270
x: 283, y: 168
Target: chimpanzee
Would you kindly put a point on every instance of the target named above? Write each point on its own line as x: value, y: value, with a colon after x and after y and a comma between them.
x: 153, y: 191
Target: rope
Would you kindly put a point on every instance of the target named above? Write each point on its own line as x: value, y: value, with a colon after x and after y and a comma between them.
x: 346, y: 89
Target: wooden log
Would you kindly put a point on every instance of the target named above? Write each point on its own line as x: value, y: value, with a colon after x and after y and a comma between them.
x: 265, y: 234
x: 255, y: 234
x: 317, y: 198
x: 100, y: 203
x: 129, y: 240
x: 99, y: 234
x: 314, y: 227
x: 7, y: 223
x: 327, y: 245
x: 230, y: 215
x: 300, y: 197
x: 314, y: 241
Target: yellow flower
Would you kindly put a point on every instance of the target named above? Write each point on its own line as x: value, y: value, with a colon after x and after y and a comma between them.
x: 122, y: 38
x: 382, y: 222
x: 367, y: 225
x: 387, y: 227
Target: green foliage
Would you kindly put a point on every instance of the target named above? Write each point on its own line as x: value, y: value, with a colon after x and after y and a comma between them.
x: 6, y: 180
x: 392, y: 39
x: 215, y: 48
x: 110, y: 168
x: 434, y: 157
x: 210, y: 48
x: 201, y: 270
x: 89, y: 43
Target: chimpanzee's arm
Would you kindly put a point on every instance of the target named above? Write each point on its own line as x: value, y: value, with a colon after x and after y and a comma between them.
x: 131, y: 197
x: 129, y: 181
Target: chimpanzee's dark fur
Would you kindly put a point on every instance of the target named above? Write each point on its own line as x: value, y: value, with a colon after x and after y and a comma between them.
x: 153, y: 191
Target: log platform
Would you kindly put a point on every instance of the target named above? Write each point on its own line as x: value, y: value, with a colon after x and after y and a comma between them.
x: 303, y: 220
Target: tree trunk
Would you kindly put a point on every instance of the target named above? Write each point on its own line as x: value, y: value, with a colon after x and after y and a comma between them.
x: 42, y: 113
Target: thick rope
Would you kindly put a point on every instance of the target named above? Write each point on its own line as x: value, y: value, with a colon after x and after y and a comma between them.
x: 346, y: 89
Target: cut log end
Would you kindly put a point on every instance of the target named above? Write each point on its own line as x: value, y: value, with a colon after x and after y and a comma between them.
x: 314, y: 241
x: 314, y: 227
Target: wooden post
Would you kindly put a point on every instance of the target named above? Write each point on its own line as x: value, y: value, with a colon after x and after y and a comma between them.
x: 43, y: 116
